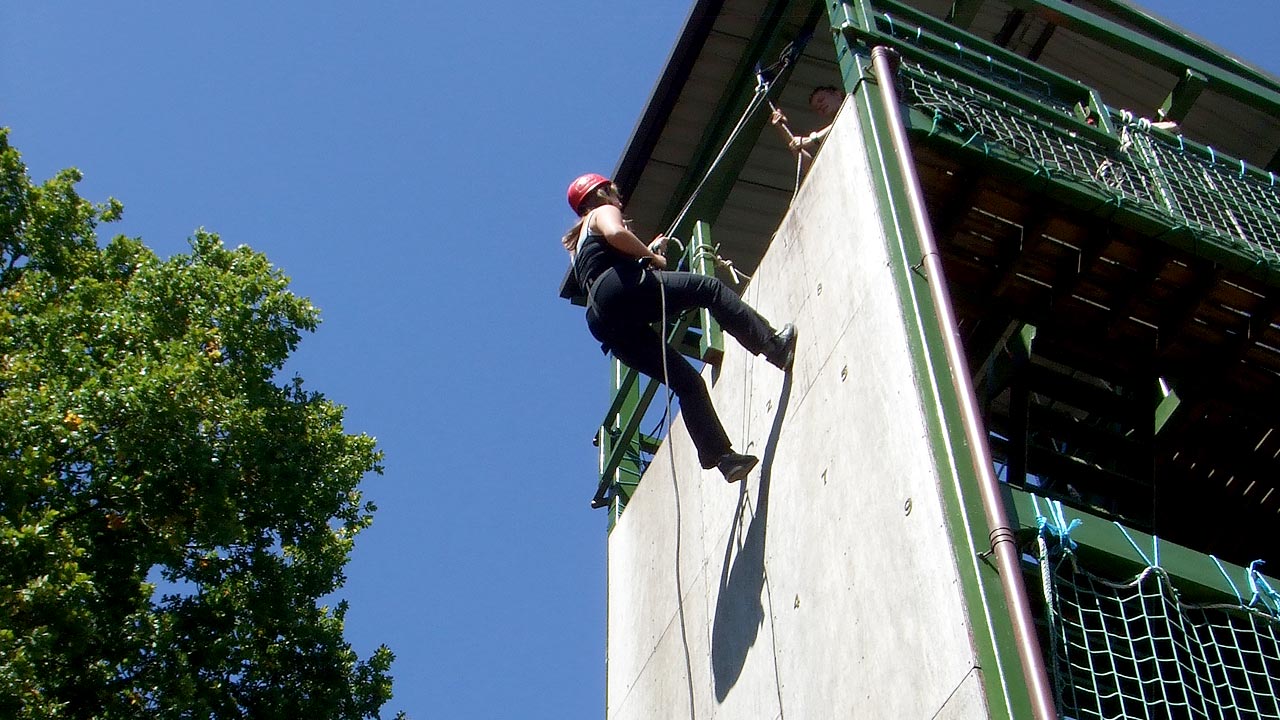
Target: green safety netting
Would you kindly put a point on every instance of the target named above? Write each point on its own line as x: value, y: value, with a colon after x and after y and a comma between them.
x: 1198, y: 189
x: 1133, y: 648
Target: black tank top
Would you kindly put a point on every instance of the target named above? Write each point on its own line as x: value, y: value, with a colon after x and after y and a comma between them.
x: 594, y: 257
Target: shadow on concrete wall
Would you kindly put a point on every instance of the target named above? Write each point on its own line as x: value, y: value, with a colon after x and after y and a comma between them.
x: 740, y: 612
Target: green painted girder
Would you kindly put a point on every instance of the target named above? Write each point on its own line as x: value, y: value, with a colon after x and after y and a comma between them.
x: 1174, y: 38
x: 1196, y: 575
x: 1178, y: 104
x: 619, y: 436
x: 771, y: 36
x: 1250, y: 90
x: 711, y: 343
x: 993, y: 639
x: 937, y: 45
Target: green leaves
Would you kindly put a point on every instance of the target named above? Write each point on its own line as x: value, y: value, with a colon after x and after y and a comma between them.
x: 170, y: 515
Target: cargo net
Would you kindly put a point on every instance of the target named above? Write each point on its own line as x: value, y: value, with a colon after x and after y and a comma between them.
x: 1219, y: 195
x: 979, y: 63
x: 1134, y: 649
x: 1213, y: 195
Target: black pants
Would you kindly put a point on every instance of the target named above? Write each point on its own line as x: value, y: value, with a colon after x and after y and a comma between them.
x: 625, y: 302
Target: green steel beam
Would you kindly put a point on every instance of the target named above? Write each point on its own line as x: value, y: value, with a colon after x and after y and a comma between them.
x: 620, y: 429
x: 1197, y: 576
x: 1006, y: 693
x: 1178, y: 104
x: 938, y: 43
x: 623, y: 437
x: 711, y: 344
x: 1166, y: 57
x: 1172, y: 37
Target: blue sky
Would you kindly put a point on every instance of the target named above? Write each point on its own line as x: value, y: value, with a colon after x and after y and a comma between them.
x: 405, y: 164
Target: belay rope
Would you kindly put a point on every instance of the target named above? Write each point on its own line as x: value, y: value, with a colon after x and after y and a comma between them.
x: 765, y: 78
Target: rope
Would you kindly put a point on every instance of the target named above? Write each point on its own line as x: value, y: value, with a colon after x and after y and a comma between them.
x: 1262, y: 590
x: 764, y: 84
x: 1155, y: 541
x: 1230, y: 582
x: 761, y: 90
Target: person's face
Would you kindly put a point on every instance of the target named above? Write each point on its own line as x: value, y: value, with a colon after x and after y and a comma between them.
x: 614, y: 196
x: 825, y: 103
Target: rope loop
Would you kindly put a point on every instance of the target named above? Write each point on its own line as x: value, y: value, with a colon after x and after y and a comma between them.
x: 1262, y: 590
x: 1053, y: 523
x: 937, y: 117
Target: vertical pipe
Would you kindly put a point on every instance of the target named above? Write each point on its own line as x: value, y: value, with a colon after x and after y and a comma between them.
x: 1002, y: 538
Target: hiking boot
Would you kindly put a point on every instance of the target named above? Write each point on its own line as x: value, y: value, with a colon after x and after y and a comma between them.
x: 782, y: 348
x: 736, y: 467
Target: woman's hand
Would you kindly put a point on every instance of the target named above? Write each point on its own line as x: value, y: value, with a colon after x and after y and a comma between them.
x: 658, y: 252
x: 777, y: 118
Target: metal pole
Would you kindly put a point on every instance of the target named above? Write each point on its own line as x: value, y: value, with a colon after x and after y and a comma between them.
x: 1002, y: 539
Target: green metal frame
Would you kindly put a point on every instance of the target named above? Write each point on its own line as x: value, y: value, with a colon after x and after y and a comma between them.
x: 920, y: 37
x: 1104, y: 545
x: 1169, y: 51
x: 619, y: 438
x: 955, y: 53
x: 993, y: 637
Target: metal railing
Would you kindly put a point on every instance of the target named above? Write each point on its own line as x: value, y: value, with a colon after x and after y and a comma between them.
x: 624, y: 449
x: 1185, y: 186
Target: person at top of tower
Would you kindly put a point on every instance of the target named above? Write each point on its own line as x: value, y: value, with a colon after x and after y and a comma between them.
x: 825, y: 101
x: 626, y: 281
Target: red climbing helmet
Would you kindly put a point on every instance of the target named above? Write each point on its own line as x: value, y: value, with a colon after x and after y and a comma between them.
x: 582, y: 187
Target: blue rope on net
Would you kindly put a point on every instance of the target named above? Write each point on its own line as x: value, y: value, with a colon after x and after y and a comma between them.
x: 1262, y: 591
x: 1230, y: 582
x: 1053, y: 523
x: 1155, y: 543
x: 937, y: 117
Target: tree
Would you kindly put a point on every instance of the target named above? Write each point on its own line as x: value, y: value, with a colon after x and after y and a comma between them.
x: 170, y: 516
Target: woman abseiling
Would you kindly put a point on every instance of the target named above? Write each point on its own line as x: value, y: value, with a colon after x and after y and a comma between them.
x: 624, y: 301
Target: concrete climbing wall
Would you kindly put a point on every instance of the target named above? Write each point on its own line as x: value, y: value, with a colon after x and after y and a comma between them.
x: 825, y: 585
